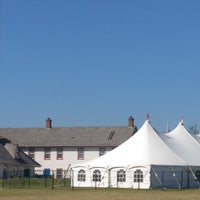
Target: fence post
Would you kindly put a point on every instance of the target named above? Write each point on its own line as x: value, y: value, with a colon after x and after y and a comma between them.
x: 29, y: 182
x: 72, y: 179
x: 188, y: 178
x: 181, y: 180
x: 95, y: 179
x: 162, y: 180
x: 9, y: 183
x: 65, y: 182
x: 52, y: 186
x: 45, y: 181
x: 3, y: 184
x: 23, y: 182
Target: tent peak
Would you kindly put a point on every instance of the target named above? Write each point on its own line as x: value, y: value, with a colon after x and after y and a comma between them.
x: 147, y: 117
x: 181, y: 119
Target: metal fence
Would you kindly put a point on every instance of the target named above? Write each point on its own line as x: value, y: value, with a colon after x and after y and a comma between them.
x: 135, y: 179
x: 53, y: 180
x: 36, y: 179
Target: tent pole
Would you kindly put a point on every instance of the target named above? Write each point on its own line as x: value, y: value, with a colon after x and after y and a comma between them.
x: 193, y: 174
x: 72, y: 179
x: 162, y: 180
x: 181, y: 179
x: 109, y: 177
x: 157, y: 177
x: 174, y: 174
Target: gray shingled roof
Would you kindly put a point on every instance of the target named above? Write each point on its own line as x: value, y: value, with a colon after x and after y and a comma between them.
x: 68, y: 136
x: 26, y: 160
x: 5, y: 157
x: 19, y: 156
x: 10, y: 154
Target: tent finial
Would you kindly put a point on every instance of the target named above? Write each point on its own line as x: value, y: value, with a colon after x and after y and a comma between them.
x: 181, y: 119
x: 148, y: 118
x: 168, y: 128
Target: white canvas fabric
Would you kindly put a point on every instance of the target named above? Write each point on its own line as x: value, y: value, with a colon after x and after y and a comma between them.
x: 184, y: 145
x: 145, y: 148
x: 196, y: 137
x: 164, y: 160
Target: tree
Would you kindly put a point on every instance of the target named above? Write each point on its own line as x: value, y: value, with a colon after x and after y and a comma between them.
x: 193, y: 129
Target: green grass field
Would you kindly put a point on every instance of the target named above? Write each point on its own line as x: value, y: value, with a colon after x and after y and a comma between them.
x: 98, y: 194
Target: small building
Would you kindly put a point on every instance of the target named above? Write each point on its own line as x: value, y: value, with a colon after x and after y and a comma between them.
x: 13, y: 161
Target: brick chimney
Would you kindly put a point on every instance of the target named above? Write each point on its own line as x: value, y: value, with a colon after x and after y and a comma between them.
x: 131, y: 121
x: 48, y: 123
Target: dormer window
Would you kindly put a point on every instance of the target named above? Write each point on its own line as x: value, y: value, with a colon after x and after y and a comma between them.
x: 17, y: 154
x: 31, y: 152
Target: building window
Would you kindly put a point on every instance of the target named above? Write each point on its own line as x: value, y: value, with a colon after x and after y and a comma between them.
x: 81, y: 175
x: 102, y: 151
x: 59, y: 173
x: 59, y: 153
x: 31, y: 152
x: 138, y: 176
x: 97, y: 176
x: 47, y: 153
x: 121, y: 176
x: 81, y: 153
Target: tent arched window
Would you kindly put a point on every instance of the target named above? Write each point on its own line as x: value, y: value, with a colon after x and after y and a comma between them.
x: 97, y: 175
x: 121, y: 176
x: 81, y: 175
x: 138, y: 176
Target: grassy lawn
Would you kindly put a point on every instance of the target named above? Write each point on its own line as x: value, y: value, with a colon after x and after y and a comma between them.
x: 98, y: 194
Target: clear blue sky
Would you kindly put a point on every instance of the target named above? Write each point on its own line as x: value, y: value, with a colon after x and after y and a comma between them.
x: 95, y: 63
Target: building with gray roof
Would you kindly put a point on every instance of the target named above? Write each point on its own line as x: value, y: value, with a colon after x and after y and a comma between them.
x: 55, y: 148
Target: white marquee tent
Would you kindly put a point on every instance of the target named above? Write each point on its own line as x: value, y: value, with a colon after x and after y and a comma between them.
x: 185, y: 145
x: 146, y: 160
x: 196, y: 137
